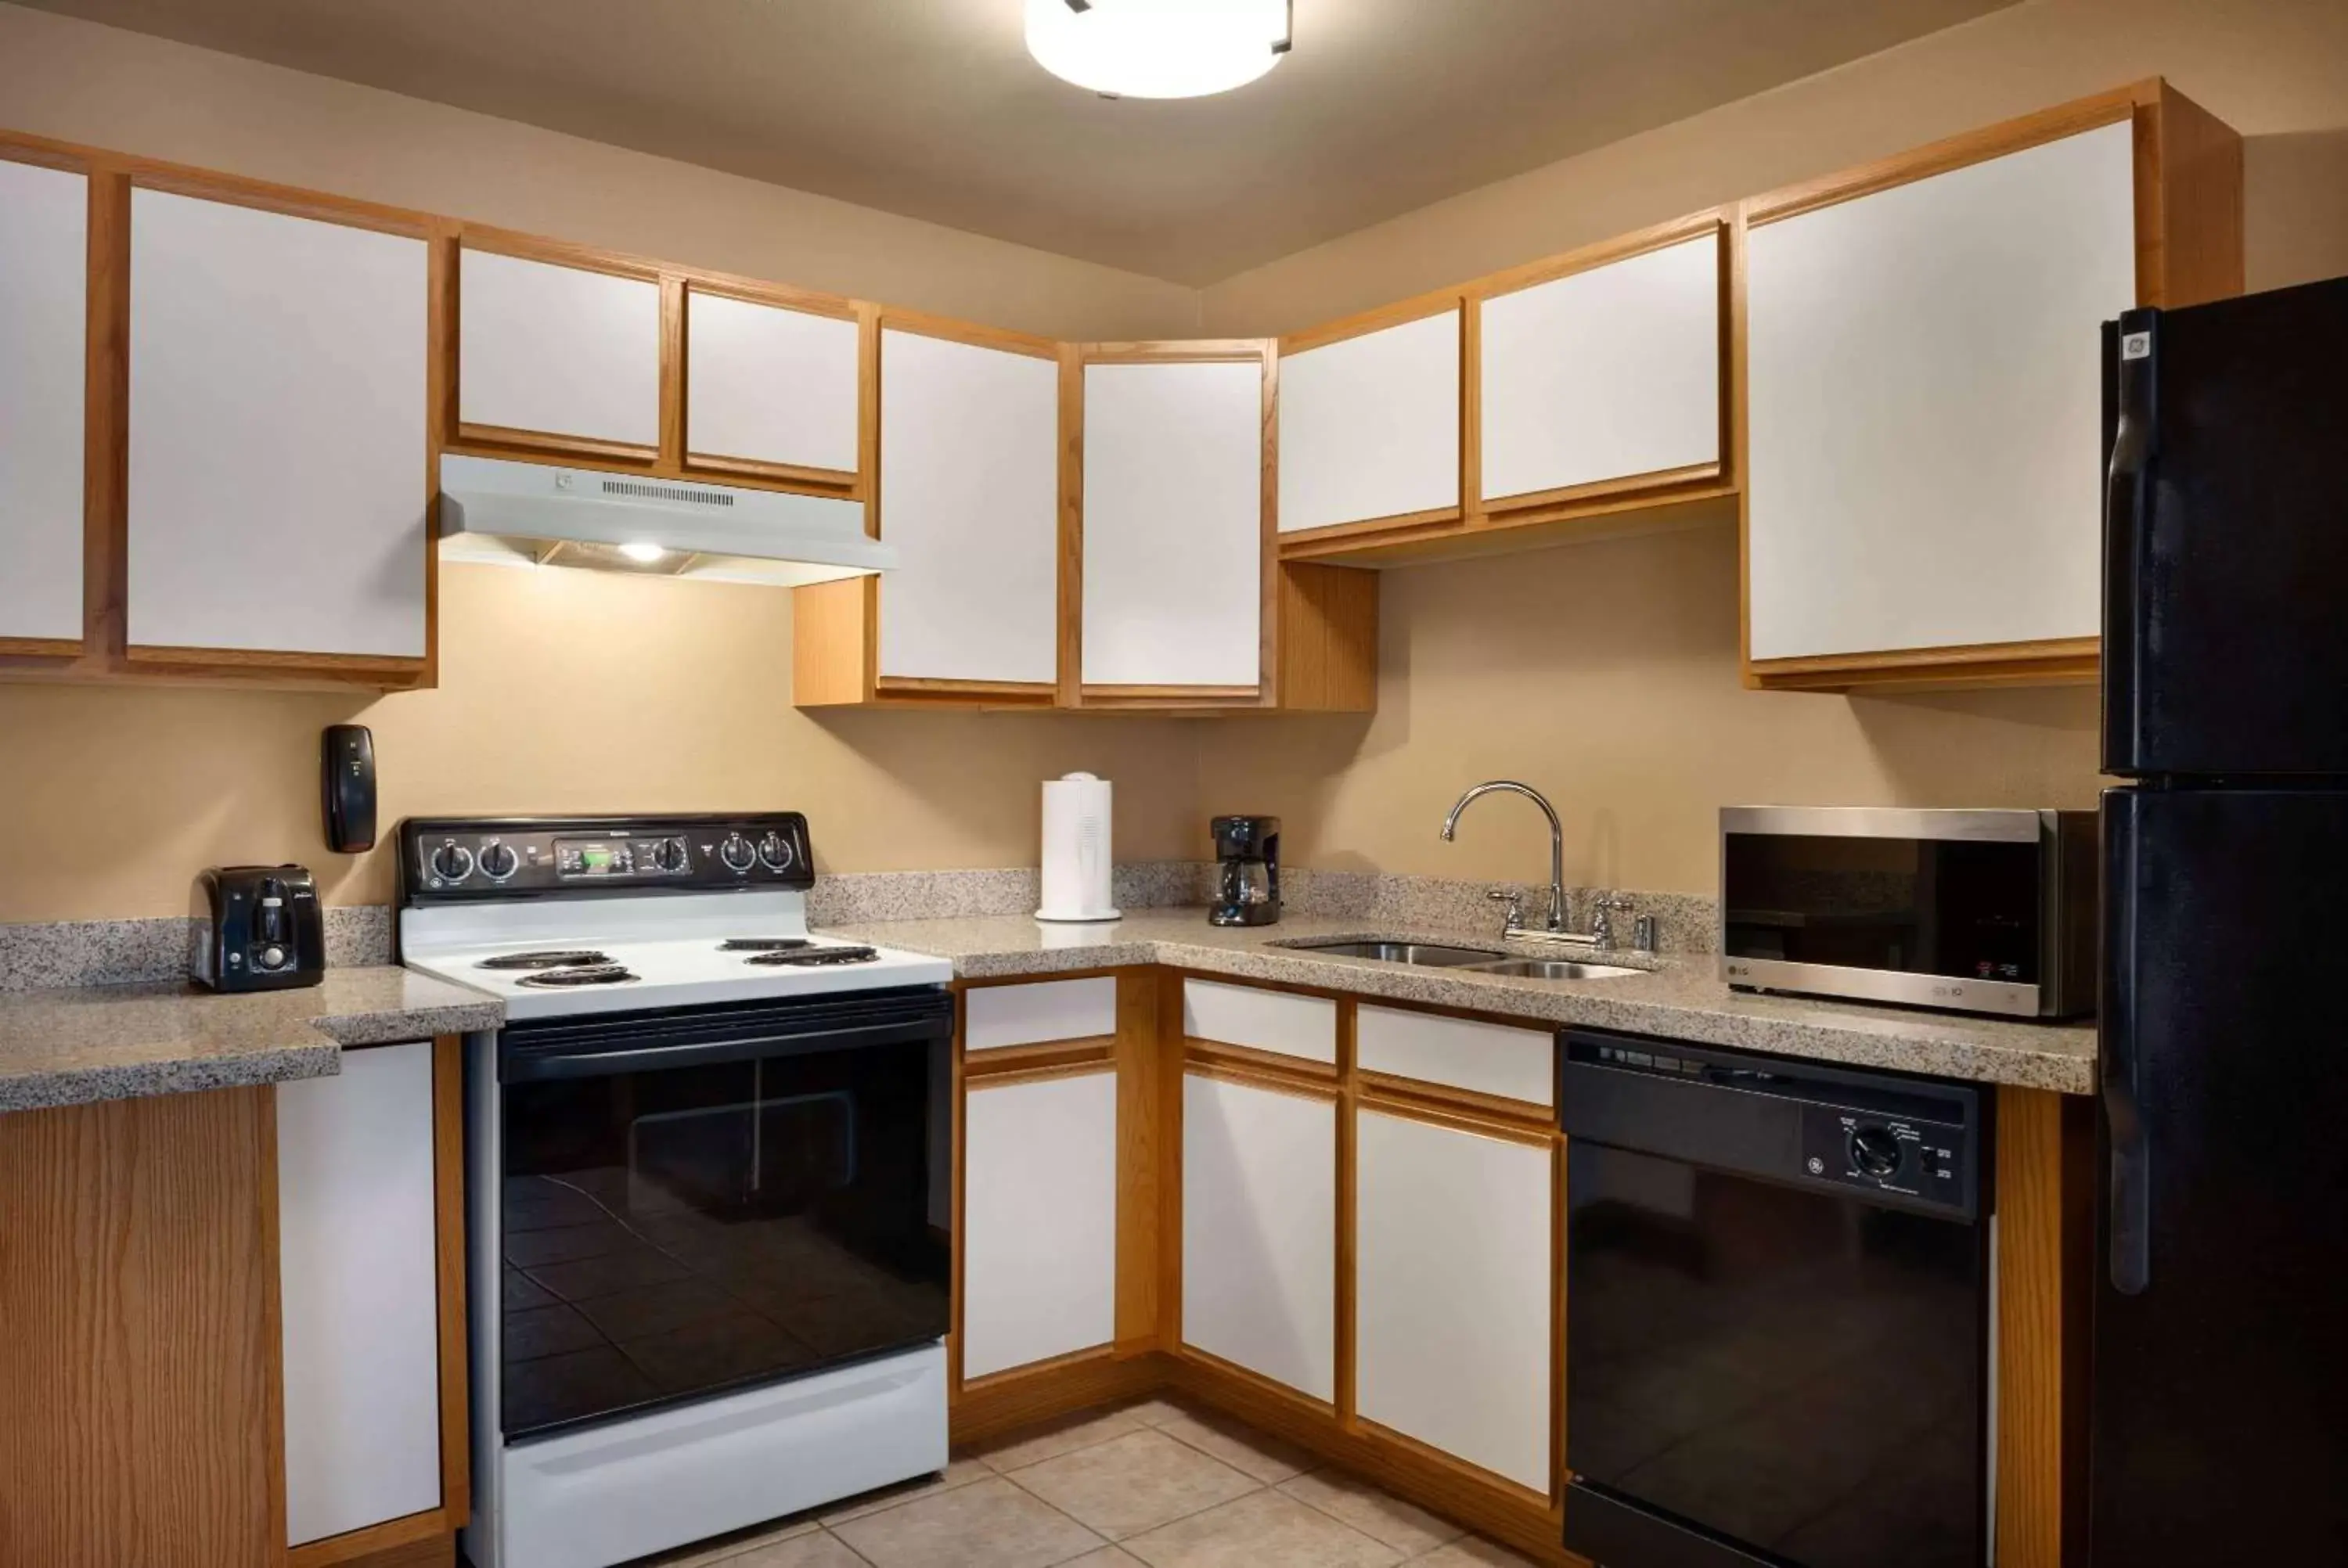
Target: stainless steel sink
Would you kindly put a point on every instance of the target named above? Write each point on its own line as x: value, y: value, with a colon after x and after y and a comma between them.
x: 1554, y: 970
x: 1431, y: 954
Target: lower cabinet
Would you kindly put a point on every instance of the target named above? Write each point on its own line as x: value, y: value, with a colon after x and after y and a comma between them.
x: 1259, y: 1230
x: 1039, y: 1220
x: 1452, y: 1294
x: 356, y: 1219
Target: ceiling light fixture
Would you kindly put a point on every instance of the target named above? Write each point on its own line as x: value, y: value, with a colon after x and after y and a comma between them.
x: 643, y: 552
x: 1159, y: 48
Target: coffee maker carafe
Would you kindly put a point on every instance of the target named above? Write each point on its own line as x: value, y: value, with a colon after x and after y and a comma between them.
x: 1247, y: 871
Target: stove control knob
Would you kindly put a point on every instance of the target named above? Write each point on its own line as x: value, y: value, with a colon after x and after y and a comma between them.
x: 736, y: 853
x: 776, y: 851
x: 1875, y: 1152
x: 668, y: 855
x: 498, y: 861
x: 452, y: 861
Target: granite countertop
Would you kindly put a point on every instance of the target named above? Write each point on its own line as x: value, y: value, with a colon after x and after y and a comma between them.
x: 73, y: 1046
x: 1680, y: 996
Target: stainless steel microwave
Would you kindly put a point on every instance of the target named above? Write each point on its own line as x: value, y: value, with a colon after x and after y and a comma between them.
x: 1973, y: 911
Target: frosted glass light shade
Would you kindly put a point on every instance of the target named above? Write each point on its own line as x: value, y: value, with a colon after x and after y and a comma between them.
x: 1158, y: 48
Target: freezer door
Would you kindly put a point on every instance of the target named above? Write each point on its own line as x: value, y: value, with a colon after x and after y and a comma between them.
x: 2220, y: 1311
x: 2226, y: 536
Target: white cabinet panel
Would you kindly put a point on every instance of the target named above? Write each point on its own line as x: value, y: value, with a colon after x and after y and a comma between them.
x: 769, y: 383
x: 1039, y: 1221
x: 557, y: 351
x: 996, y: 1016
x: 1266, y: 1020
x: 1173, y: 540
x: 1926, y: 405
x: 970, y: 496
x: 43, y: 290
x: 1604, y: 375
x: 1451, y: 1297
x: 1369, y: 426
x: 1466, y: 1053
x: 356, y: 1224
x: 1259, y: 1232
x: 277, y: 431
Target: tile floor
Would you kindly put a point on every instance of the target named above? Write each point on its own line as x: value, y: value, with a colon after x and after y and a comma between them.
x: 1153, y: 1483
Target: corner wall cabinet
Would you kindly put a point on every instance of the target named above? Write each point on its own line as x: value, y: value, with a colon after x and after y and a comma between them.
x: 1369, y: 431
x: 1924, y: 388
x: 44, y: 314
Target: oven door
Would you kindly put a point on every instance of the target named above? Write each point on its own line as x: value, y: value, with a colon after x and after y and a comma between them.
x: 701, y: 1201
x: 1760, y: 1374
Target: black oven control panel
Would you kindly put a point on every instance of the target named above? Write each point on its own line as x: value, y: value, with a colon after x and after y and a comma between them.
x: 522, y: 857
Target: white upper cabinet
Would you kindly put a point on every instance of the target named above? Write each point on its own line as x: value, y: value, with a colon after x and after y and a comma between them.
x: 1369, y: 426
x: 1608, y: 373
x: 970, y: 498
x: 548, y: 350
x: 44, y: 284
x: 769, y: 386
x: 1173, y: 524
x: 1926, y: 405
x: 278, y: 456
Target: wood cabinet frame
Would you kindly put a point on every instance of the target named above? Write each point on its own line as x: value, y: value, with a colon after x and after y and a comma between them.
x: 2189, y: 248
x: 103, y: 653
x: 2044, y: 1175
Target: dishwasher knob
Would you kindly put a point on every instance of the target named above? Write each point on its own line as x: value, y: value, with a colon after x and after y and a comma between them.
x: 1874, y: 1152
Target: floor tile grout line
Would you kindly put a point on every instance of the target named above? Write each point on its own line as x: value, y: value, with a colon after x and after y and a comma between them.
x: 1254, y: 1486
x: 1464, y: 1532
x: 841, y: 1541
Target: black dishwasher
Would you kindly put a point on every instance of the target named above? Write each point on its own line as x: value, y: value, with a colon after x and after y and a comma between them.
x: 1778, y: 1295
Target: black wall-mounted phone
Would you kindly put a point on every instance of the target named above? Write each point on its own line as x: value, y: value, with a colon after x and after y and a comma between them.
x: 347, y: 769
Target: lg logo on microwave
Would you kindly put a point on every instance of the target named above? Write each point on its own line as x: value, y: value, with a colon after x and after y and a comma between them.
x: 1738, y: 971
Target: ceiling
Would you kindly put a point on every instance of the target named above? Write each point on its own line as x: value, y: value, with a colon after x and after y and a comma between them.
x: 932, y: 108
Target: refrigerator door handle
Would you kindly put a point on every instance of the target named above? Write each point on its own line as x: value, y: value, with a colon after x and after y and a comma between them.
x: 2130, y: 1176
x: 2133, y: 345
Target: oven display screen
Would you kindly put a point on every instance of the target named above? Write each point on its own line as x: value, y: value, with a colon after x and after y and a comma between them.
x: 589, y: 857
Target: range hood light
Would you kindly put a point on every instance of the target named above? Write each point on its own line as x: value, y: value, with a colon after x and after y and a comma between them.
x: 1158, y: 48
x: 642, y: 551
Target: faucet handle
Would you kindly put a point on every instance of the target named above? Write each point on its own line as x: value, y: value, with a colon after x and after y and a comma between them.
x: 1515, y: 899
x: 1603, y: 908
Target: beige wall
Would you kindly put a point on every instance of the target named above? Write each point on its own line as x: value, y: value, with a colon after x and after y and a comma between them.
x: 560, y: 690
x: 1606, y: 673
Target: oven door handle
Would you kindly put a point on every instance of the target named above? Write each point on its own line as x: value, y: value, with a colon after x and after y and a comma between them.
x: 524, y: 1066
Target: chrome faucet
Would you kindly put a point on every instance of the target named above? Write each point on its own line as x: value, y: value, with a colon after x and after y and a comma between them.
x: 1554, y: 925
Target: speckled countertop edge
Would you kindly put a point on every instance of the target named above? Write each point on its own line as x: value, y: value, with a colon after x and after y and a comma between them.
x: 1682, y: 997
x: 74, y: 1046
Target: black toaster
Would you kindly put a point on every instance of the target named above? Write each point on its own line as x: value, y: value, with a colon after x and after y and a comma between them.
x: 257, y: 928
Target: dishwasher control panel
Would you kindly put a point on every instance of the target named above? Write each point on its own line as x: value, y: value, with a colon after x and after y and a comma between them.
x: 1887, y: 1153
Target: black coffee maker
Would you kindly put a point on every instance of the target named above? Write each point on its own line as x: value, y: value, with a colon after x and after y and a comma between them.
x: 1247, y: 865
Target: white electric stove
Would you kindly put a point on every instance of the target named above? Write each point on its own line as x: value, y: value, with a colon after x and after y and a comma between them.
x: 708, y: 1163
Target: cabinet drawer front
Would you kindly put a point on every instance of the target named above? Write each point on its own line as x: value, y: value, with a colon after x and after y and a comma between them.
x: 1926, y: 405
x: 1464, y: 1053
x: 1262, y: 1020
x: 1039, y: 1221
x: 557, y: 350
x: 44, y: 282
x: 1604, y: 375
x: 996, y: 1016
x: 1452, y: 1294
x: 1259, y: 1230
x: 357, y: 1224
x: 1369, y: 426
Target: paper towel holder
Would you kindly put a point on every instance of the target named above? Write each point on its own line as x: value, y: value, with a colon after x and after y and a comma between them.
x: 1076, y: 851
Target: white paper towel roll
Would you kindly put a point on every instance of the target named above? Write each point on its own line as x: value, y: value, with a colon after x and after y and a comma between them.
x: 1077, y: 849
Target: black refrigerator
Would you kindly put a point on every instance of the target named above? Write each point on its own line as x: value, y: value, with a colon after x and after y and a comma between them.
x: 2218, y: 1413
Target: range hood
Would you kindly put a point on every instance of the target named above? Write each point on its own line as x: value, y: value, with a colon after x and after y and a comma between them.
x: 525, y: 514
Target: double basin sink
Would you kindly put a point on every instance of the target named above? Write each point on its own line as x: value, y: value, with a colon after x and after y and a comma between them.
x: 1472, y: 960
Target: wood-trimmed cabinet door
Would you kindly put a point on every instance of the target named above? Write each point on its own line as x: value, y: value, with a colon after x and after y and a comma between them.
x: 359, y: 1217
x: 1039, y: 1220
x: 1369, y: 426
x: 1260, y: 1228
x: 1173, y: 524
x: 279, y: 472
x: 772, y: 388
x: 1604, y: 375
x: 43, y: 299
x: 1924, y: 388
x: 1454, y: 1291
x: 556, y: 355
